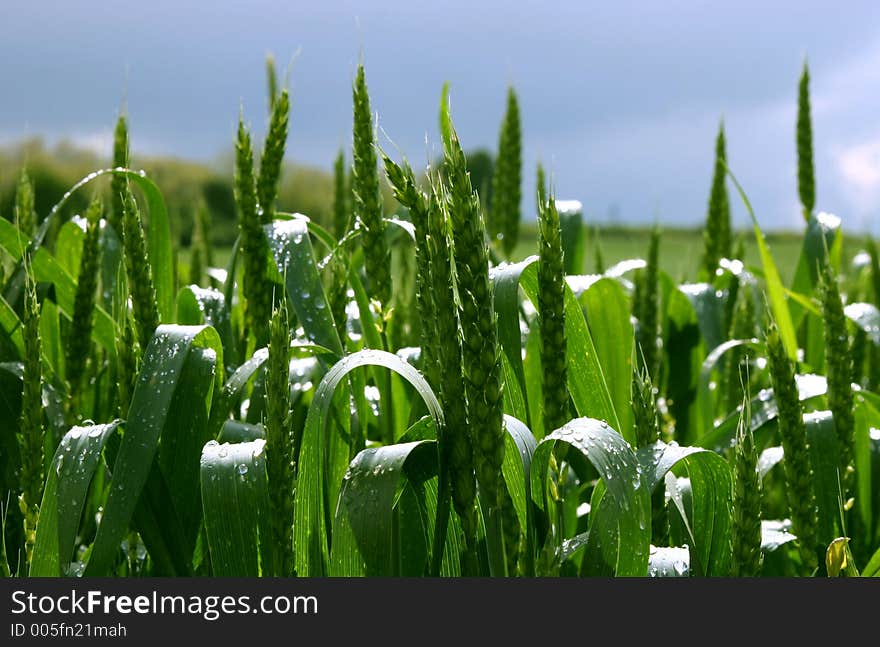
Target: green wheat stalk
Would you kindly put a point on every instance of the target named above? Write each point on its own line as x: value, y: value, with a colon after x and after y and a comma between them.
x: 796, y: 461
x: 118, y: 183
x: 25, y: 215
x: 273, y: 156
x: 254, y: 246
x: 341, y: 212
x: 507, y: 177
x: 271, y: 82
x: 644, y: 404
x: 279, y: 440
x: 716, y: 237
x: 408, y: 194
x: 551, y: 304
x: 742, y: 327
x: 127, y: 360
x: 139, y: 271
x: 806, y: 177
x: 481, y: 360
x: 459, y: 448
x: 745, y: 531
x: 79, y: 341
x: 367, y: 195
x: 31, y: 421
x: 838, y: 370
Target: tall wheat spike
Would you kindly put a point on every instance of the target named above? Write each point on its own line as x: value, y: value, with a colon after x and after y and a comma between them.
x: 505, y: 212
x: 31, y: 420
x: 806, y: 173
x: 25, y: 215
x: 254, y: 246
x: 279, y: 450
x: 367, y: 195
x: 745, y: 530
x: 139, y: 271
x: 796, y: 460
x: 273, y: 156
x: 551, y: 304
x: 716, y: 236
x: 408, y: 194
x: 838, y: 371
x: 481, y: 359
x: 459, y: 448
x: 118, y: 183
x: 80, y: 339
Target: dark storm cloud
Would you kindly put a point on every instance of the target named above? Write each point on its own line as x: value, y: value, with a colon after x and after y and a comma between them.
x: 621, y: 100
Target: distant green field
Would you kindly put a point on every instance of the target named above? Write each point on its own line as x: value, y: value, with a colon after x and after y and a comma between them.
x: 680, y: 250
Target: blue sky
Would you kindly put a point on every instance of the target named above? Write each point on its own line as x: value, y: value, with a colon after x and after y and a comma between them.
x: 619, y: 100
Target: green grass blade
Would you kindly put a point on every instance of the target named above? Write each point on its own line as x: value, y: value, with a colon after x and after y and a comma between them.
x: 608, y: 318
x: 586, y: 380
x: 314, y: 483
x: 775, y: 289
x: 50, y: 338
x: 366, y: 507
x: 708, y: 518
x: 163, y: 363
x: 505, y: 282
x: 622, y: 545
x: 521, y: 445
x: 368, y: 322
x: 821, y: 235
x: 235, y: 498
x: 291, y: 248
x: 68, y: 246
x: 764, y: 409
x: 72, y: 469
x: 822, y: 441
x: 234, y: 431
x: 196, y: 306
x: 705, y: 399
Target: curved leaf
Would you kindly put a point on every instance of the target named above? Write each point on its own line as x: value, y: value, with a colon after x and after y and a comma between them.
x: 775, y: 289
x: 620, y: 538
x: 74, y: 464
x: 197, y: 306
x: 291, y: 248
x: 317, y: 475
x: 708, y: 519
x: 608, y: 318
x: 520, y: 448
x: 586, y: 380
x: 164, y: 362
x: 704, y: 390
x: 505, y: 283
x: 763, y: 408
x: 235, y: 498
x: 364, y: 541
